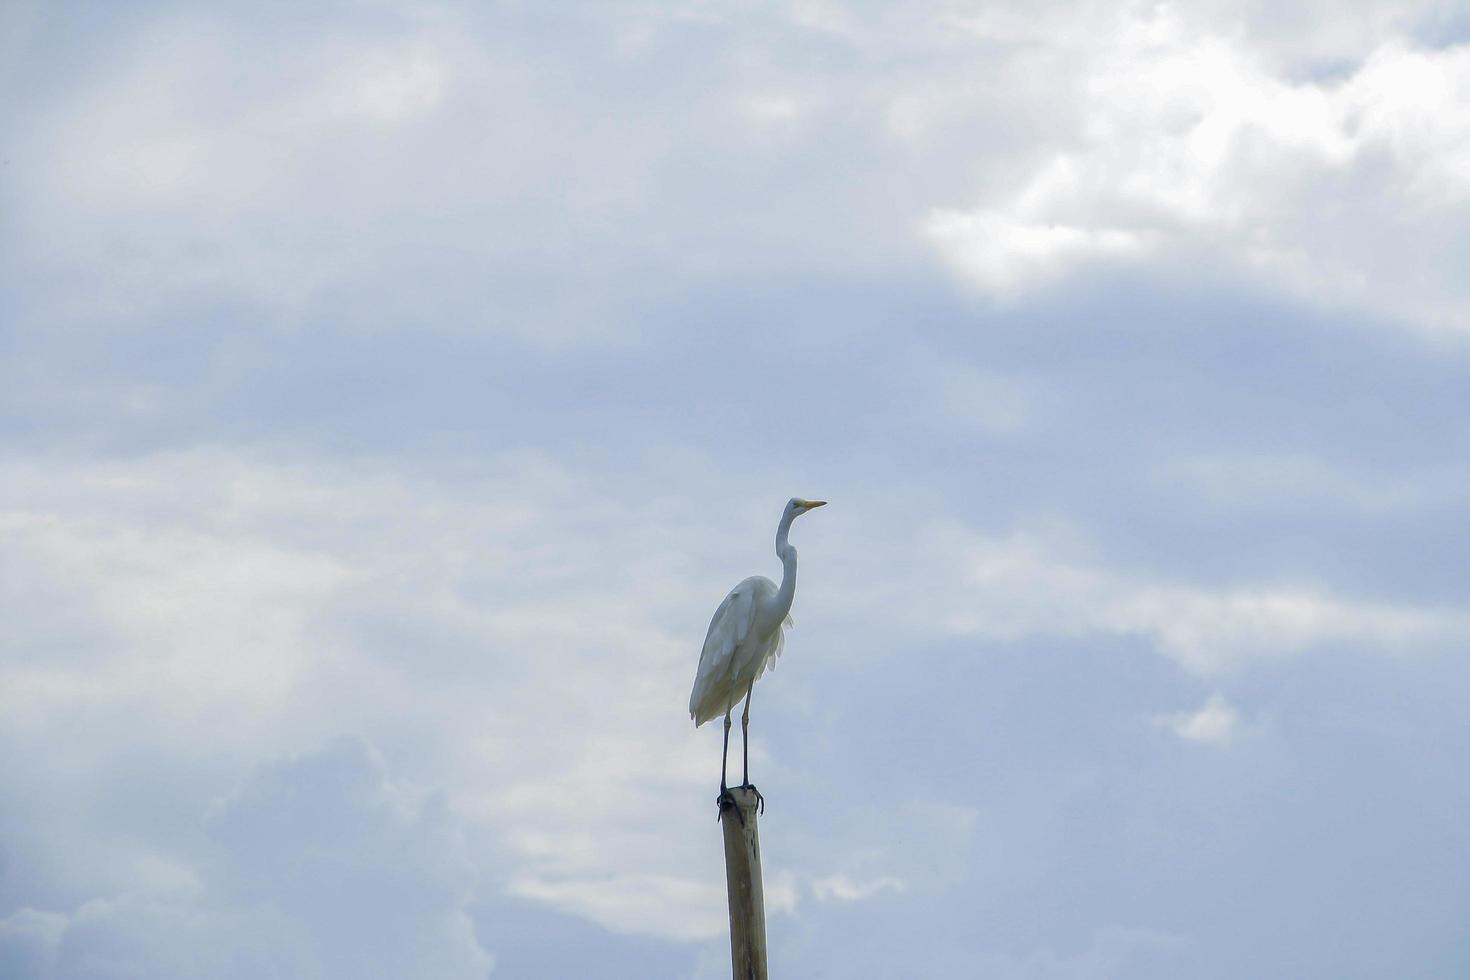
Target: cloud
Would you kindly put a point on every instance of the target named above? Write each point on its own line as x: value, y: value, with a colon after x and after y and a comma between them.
x: 319, y: 866
x: 445, y: 611
x: 389, y: 85
x: 883, y: 851
x: 398, y: 371
x: 1216, y: 722
x: 254, y: 605
x: 1191, y: 151
x: 630, y: 902
x: 377, y: 880
x: 287, y: 172
x: 1036, y: 584
x: 1005, y: 255
x: 1114, y: 952
x: 841, y: 888
x: 28, y: 943
x: 304, y: 173
x: 972, y: 399
x: 1252, y: 480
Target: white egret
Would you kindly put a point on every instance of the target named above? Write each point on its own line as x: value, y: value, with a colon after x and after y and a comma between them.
x: 745, y: 637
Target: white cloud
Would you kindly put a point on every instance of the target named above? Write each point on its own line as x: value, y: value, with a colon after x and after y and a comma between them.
x: 774, y: 110
x: 1216, y: 722
x: 1194, y: 147
x: 890, y: 849
x: 324, y: 169
x: 629, y: 903
x: 519, y: 631
x: 195, y: 621
x: 841, y: 888
x: 231, y: 607
x: 1179, y: 138
x: 1037, y: 584
x: 388, y: 85
x: 1006, y: 254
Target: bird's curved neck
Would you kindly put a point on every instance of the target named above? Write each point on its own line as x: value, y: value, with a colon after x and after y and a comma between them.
x: 787, y: 554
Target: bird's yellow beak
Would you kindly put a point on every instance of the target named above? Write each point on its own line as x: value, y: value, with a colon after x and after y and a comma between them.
x: 809, y: 504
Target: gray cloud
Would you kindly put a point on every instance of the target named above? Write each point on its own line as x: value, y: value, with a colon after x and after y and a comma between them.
x: 427, y: 373
x: 319, y: 866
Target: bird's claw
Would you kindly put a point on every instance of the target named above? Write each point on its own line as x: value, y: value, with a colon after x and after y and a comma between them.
x: 726, y: 801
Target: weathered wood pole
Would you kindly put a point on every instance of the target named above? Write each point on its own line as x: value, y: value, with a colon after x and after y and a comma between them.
x: 743, y: 879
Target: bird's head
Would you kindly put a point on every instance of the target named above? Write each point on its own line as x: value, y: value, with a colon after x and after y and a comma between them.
x: 796, y: 506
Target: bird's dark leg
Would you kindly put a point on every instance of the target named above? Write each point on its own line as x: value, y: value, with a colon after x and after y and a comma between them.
x: 745, y: 738
x: 745, y: 749
x: 725, y: 799
x: 725, y: 753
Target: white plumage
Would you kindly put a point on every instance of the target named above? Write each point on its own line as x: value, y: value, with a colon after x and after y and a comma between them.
x: 736, y: 653
x: 745, y: 637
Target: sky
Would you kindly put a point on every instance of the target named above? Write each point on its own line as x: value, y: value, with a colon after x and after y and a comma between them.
x: 389, y: 393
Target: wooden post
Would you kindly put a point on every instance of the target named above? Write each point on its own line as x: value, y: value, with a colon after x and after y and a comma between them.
x: 743, y: 879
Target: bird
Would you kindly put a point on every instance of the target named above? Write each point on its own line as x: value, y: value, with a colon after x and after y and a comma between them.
x: 745, y: 637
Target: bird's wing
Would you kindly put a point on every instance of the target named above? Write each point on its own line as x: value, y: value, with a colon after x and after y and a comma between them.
x: 727, y: 630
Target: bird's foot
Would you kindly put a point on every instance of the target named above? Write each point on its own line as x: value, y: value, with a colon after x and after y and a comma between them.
x: 760, y: 801
x: 726, y: 801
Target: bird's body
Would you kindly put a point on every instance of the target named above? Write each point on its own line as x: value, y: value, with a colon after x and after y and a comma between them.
x: 744, y: 640
x: 745, y: 637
